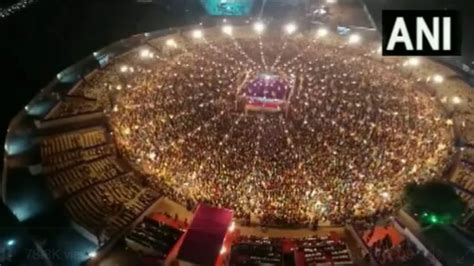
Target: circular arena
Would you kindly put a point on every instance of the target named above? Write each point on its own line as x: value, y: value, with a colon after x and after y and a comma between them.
x: 285, y: 126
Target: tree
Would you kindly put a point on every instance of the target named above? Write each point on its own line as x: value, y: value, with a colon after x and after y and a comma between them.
x: 435, y: 201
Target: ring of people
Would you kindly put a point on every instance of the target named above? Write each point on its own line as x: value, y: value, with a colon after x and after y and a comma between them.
x: 281, y: 128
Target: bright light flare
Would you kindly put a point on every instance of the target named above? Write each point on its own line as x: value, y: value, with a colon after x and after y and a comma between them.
x: 438, y: 78
x: 10, y: 242
x: 456, y: 100
x: 259, y: 27
x: 232, y: 227
x: 331, y: 1
x: 227, y: 29
x: 322, y: 32
x: 197, y: 34
x: 145, y: 53
x: 123, y: 69
x: 171, y: 43
x: 413, y: 61
x: 290, y: 28
x: 385, y: 195
x: 92, y: 254
x: 354, y: 38
x: 223, y: 250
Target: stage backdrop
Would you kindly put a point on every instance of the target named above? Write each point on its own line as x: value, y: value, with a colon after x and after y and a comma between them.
x: 228, y: 7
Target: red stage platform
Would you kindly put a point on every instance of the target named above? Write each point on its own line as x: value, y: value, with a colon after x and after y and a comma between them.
x: 203, y: 241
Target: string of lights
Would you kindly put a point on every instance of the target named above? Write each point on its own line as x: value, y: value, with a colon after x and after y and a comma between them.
x: 5, y: 12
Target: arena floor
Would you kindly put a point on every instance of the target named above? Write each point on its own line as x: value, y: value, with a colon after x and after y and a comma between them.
x: 346, y: 124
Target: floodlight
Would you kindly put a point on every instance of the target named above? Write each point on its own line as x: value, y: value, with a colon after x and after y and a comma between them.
x: 259, y: 27
x: 438, y: 78
x: 144, y: 53
x: 413, y: 61
x: 354, y: 38
x: 456, y: 100
x: 227, y: 29
x: 322, y: 32
x: 290, y: 28
x: 10, y: 242
x: 171, y: 43
x: 197, y: 34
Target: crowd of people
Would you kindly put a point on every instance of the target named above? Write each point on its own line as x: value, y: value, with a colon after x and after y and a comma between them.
x: 353, y: 129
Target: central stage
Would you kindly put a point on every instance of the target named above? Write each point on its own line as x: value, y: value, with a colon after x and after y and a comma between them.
x: 265, y: 92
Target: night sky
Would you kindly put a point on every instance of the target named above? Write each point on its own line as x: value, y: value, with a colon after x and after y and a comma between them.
x: 50, y: 35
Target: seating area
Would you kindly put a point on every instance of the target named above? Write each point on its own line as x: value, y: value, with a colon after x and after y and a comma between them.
x: 70, y: 141
x: 320, y: 250
x: 467, y: 154
x: 388, y: 246
x: 467, y: 222
x: 73, y: 106
x: 101, y: 194
x: 107, y: 208
x: 94, y: 87
x: 71, y: 158
x: 151, y: 237
x: 315, y: 250
x: 463, y: 176
x: 388, y: 254
x: 73, y: 179
x: 256, y: 251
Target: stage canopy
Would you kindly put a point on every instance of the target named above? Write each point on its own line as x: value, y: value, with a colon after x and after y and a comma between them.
x: 205, y: 236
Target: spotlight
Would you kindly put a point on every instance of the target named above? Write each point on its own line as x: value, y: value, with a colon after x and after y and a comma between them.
x: 385, y: 195
x: 290, y: 28
x: 413, y: 61
x: 123, y: 69
x: 197, y: 34
x: 438, y: 78
x: 259, y: 27
x: 322, y: 32
x: 354, y: 38
x: 227, y: 29
x: 92, y: 254
x: 144, y: 53
x: 331, y: 1
x: 456, y: 100
x: 171, y: 43
x: 10, y: 242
